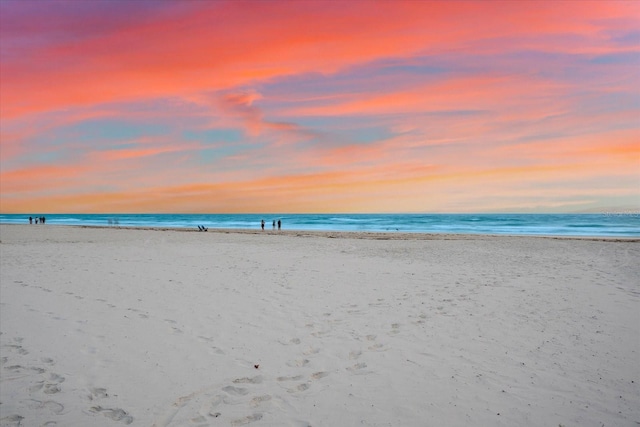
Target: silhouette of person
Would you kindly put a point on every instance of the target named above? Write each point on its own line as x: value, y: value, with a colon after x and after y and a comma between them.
x: 30, y: 220
x: 279, y: 224
x: 274, y: 224
x: 262, y: 224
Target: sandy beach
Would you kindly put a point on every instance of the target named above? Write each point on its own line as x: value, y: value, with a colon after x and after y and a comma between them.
x: 144, y: 327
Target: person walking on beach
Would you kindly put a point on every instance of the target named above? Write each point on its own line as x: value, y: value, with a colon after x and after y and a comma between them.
x: 273, y: 224
x: 279, y: 224
x: 30, y: 220
x: 262, y: 224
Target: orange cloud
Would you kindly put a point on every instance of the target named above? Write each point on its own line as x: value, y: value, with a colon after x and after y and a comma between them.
x: 122, y: 154
x: 615, y: 147
x: 37, y: 178
x: 410, y: 184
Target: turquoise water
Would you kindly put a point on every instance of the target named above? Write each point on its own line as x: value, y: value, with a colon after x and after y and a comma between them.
x: 621, y: 225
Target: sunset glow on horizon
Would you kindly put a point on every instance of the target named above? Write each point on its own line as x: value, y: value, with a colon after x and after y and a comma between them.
x: 280, y: 106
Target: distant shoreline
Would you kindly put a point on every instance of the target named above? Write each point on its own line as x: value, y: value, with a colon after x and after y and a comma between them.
x: 365, y: 235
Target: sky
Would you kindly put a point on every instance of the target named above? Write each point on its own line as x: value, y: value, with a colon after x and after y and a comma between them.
x: 336, y: 106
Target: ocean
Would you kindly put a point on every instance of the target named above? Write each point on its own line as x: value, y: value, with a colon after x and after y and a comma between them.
x: 605, y: 225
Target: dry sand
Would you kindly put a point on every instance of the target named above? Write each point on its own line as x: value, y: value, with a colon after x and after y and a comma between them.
x: 109, y: 327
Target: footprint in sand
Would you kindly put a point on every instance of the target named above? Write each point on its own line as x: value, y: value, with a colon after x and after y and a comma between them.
x: 294, y: 378
x: 172, y: 329
x: 55, y: 378
x: 98, y: 393
x: 172, y: 410
x: 50, y: 405
x: 51, y: 385
x: 301, y: 387
x: 256, y: 401
x: 291, y: 341
x: 51, y: 389
x: 354, y: 354
x: 245, y: 380
x: 421, y: 319
x: 246, y: 420
x: 209, y: 341
x: 214, y: 403
x: 357, y: 367
x: 12, y: 420
x: 298, y: 363
x: 217, y: 350
x: 236, y: 391
x: 377, y: 347
x: 17, y: 349
x: 36, y: 387
x: 115, y: 414
x: 198, y: 420
x: 319, y: 375
x: 310, y: 350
